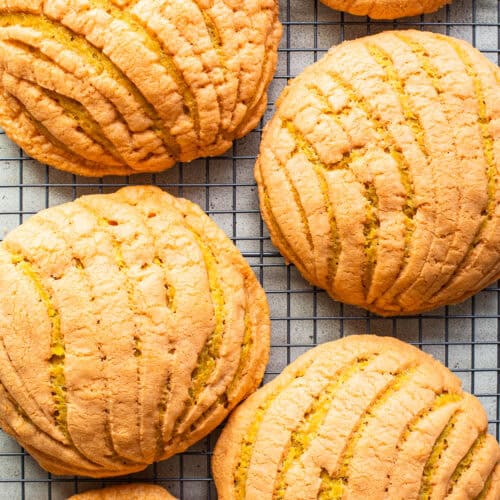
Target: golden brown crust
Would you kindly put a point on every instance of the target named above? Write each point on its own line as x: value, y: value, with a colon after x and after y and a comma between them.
x: 362, y: 417
x: 386, y: 9
x: 126, y: 492
x: 148, y: 323
x: 103, y: 87
x: 378, y: 175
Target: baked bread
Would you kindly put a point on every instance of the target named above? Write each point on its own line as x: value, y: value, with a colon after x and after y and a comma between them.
x: 130, y: 326
x: 126, y: 492
x: 362, y: 417
x: 101, y: 87
x: 379, y: 173
x: 386, y: 9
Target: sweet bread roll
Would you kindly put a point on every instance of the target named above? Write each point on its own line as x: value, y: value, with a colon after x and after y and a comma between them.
x: 126, y: 492
x: 362, y: 417
x: 101, y: 87
x: 130, y: 326
x: 386, y: 9
x: 379, y: 173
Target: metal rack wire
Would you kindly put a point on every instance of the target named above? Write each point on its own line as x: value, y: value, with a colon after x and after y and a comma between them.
x: 465, y: 337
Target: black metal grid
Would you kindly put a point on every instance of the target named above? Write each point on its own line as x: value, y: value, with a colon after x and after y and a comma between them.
x: 465, y: 337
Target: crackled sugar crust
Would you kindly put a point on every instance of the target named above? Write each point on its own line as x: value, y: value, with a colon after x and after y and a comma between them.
x: 102, y: 87
x: 129, y: 327
x: 126, y: 492
x: 362, y: 417
x: 378, y: 175
x: 386, y: 9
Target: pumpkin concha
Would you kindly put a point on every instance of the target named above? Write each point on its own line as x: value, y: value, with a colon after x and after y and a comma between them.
x: 99, y: 87
x: 362, y: 417
x: 130, y: 326
x: 379, y: 173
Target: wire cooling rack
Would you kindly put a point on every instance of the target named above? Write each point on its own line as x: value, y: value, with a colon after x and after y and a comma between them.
x: 465, y: 337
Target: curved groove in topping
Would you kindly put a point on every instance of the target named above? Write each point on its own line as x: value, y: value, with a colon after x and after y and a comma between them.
x: 85, y: 121
x: 319, y: 168
x: 487, y: 485
x: 258, y: 95
x: 384, y: 60
x: 30, y: 422
x: 42, y: 130
x: 370, y: 231
x: 114, y: 457
x: 371, y: 200
x: 466, y: 462
x: 105, y: 223
x: 73, y: 109
x: 162, y: 409
x: 439, y: 447
x: 273, y: 223
x: 440, y: 400
x: 297, y: 199
x: 226, y: 398
x: 241, y: 470
x: 209, y: 355
x: 56, y: 362
x: 216, y: 41
x: 246, y: 347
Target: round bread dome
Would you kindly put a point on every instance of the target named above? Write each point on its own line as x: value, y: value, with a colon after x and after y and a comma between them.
x: 386, y: 9
x: 137, y: 491
x: 130, y: 327
x: 362, y: 417
x: 379, y: 173
x: 100, y: 87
